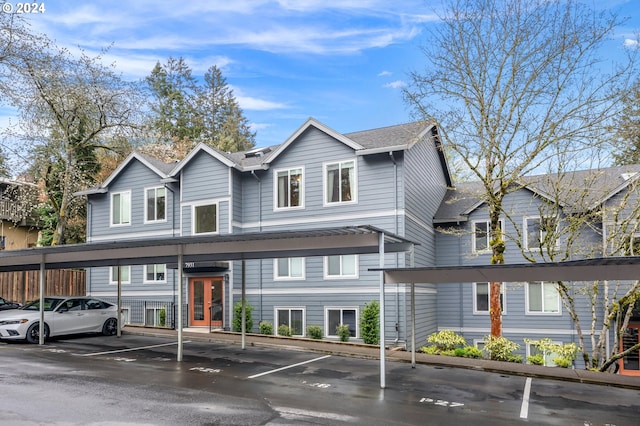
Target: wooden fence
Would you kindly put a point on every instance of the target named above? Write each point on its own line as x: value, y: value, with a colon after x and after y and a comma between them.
x: 24, y: 286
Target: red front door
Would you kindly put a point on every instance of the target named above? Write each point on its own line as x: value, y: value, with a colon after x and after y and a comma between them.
x: 630, y: 364
x: 206, y: 306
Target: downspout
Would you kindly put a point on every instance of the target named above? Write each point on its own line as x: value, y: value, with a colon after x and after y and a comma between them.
x: 395, y: 230
x: 253, y: 173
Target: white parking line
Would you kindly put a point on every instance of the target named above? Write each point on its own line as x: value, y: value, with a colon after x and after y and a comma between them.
x: 524, y: 410
x: 287, y: 367
x: 131, y: 349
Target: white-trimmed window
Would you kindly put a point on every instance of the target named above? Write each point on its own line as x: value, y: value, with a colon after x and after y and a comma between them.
x: 334, y: 316
x: 156, y: 273
x: 341, y: 266
x: 289, y: 268
x: 121, y: 208
x: 289, y: 188
x: 543, y: 298
x: 155, y: 204
x: 621, y: 239
x: 125, y: 275
x: 292, y: 317
x: 547, y: 356
x: 155, y: 316
x: 482, y: 235
x: 340, y: 182
x: 205, y: 218
x: 536, y: 231
x: 482, y: 300
x: 125, y: 315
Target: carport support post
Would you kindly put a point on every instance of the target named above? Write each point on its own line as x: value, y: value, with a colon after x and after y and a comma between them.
x: 243, y: 316
x: 413, y: 325
x: 119, y: 303
x: 382, y: 359
x: 180, y: 286
x: 42, y: 275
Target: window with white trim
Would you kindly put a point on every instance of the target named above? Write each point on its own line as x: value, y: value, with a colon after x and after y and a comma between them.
x: 121, y: 208
x: 292, y: 317
x: 543, y: 298
x: 334, y: 316
x: 340, y: 182
x: 156, y: 273
x: 537, y: 230
x: 289, y: 188
x: 481, y: 241
x: 125, y: 275
x: 156, y: 204
x: 547, y: 356
x: 341, y: 266
x: 205, y: 219
x: 155, y: 316
x: 289, y: 268
x: 481, y: 298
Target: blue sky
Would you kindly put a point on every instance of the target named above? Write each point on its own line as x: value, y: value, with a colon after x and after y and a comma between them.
x: 343, y: 62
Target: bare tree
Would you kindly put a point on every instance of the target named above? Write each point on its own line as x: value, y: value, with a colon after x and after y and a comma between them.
x: 511, y: 83
x: 69, y: 109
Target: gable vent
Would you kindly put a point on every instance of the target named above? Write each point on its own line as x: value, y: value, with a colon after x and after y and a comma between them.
x: 627, y: 176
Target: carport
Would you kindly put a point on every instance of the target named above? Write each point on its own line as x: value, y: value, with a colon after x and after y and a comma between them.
x: 261, y: 245
x: 596, y: 269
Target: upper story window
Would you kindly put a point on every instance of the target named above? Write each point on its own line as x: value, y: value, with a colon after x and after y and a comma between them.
x: 155, y: 273
x: 156, y: 204
x: 621, y: 239
x: 340, y: 182
x: 289, y: 191
x: 343, y: 266
x: 205, y: 219
x: 482, y: 235
x: 538, y: 230
x: 125, y: 275
x: 481, y: 300
x: 121, y: 208
x: 543, y: 298
x: 289, y: 268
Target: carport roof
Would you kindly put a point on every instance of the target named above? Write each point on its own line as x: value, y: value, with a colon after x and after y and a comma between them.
x: 259, y: 245
x: 607, y: 268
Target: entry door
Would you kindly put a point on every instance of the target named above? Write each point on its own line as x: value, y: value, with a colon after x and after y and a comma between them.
x: 206, y: 306
x: 631, y: 363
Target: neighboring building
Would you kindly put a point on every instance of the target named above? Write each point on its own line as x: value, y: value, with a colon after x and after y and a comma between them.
x: 18, y: 227
x: 393, y: 178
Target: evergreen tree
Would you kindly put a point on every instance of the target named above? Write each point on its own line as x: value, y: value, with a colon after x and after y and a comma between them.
x: 627, y: 130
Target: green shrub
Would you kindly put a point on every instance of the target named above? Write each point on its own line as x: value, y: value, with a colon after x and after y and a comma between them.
x: 563, y: 362
x: 430, y: 350
x: 162, y: 317
x: 265, y: 327
x: 536, y: 359
x: 446, y: 340
x: 314, y: 332
x: 501, y: 349
x: 370, y: 323
x: 459, y: 352
x: 472, y: 352
x: 237, y: 317
x: 342, y: 330
x: 285, y: 330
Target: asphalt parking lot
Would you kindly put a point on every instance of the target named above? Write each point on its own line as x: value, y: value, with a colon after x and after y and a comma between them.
x: 136, y: 379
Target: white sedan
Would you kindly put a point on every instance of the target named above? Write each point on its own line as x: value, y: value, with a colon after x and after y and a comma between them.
x: 62, y: 316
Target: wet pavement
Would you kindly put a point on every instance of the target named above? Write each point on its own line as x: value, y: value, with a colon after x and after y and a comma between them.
x: 373, y: 352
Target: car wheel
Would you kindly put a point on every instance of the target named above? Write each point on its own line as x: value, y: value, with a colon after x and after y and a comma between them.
x: 33, y: 333
x: 110, y: 327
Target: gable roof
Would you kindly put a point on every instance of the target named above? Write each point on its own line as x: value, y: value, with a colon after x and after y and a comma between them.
x: 159, y: 167
x: 201, y: 147
x: 577, y: 191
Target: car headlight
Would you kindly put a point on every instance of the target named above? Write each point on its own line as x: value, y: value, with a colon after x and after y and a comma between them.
x: 17, y: 321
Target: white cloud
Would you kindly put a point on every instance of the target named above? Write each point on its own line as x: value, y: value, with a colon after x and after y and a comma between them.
x: 634, y: 44
x: 385, y: 74
x: 398, y: 84
x: 250, y: 103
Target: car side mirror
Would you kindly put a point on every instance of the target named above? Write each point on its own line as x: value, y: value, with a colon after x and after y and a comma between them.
x: 63, y: 309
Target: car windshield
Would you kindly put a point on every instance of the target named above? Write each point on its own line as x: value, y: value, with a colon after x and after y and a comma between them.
x: 50, y: 304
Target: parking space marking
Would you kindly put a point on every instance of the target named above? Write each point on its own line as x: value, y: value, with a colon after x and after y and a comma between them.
x: 524, y: 409
x: 131, y: 349
x: 287, y: 367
